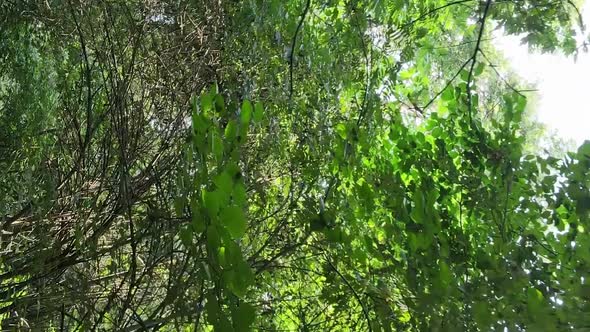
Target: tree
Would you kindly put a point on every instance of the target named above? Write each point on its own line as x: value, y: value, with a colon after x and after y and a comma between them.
x: 345, y: 165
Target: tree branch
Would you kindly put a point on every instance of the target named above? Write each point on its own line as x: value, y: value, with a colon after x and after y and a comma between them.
x: 473, y: 58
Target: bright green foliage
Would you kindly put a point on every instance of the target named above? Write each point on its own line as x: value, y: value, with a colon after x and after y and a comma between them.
x: 283, y: 166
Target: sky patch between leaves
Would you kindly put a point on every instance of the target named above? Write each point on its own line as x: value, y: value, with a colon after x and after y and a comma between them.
x: 563, y: 85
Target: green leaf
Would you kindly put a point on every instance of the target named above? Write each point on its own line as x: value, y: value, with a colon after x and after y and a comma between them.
x: 212, y: 309
x: 334, y: 235
x: 341, y: 130
x: 478, y: 69
x: 214, y: 89
x: 243, y: 134
x: 234, y: 253
x: 483, y: 316
x: 231, y: 131
x: 243, y: 316
x: 224, y: 182
x: 200, y: 123
x: 206, y: 103
x: 445, y: 274
x: 239, y: 278
x: 417, y: 213
x: 211, y: 201
x: 221, y: 256
x: 258, y: 112
x: 448, y: 94
x: 584, y: 150
x: 464, y: 75
x: 233, y: 219
x: 220, y: 104
x: 246, y: 112
x: 534, y: 302
x: 245, y: 277
x: 216, y: 146
x: 213, y: 238
x: 239, y: 194
x: 223, y: 325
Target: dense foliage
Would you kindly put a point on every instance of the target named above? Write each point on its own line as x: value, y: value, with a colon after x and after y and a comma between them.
x: 284, y: 166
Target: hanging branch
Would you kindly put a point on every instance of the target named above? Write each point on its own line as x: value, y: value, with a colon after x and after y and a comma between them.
x: 292, y: 55
x: 580, y: 18
x: 473, y: 58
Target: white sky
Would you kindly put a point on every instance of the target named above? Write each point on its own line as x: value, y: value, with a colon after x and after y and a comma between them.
x: 563, y: 85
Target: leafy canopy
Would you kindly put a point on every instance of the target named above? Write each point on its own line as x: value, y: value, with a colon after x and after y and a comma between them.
x: 284, y: 166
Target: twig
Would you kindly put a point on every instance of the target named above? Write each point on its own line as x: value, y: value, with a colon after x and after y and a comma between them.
x: 430, y: 12
x: 356, y: 295
x: 446, y: 86
x: 459, y: 44
x: 500, y: 76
